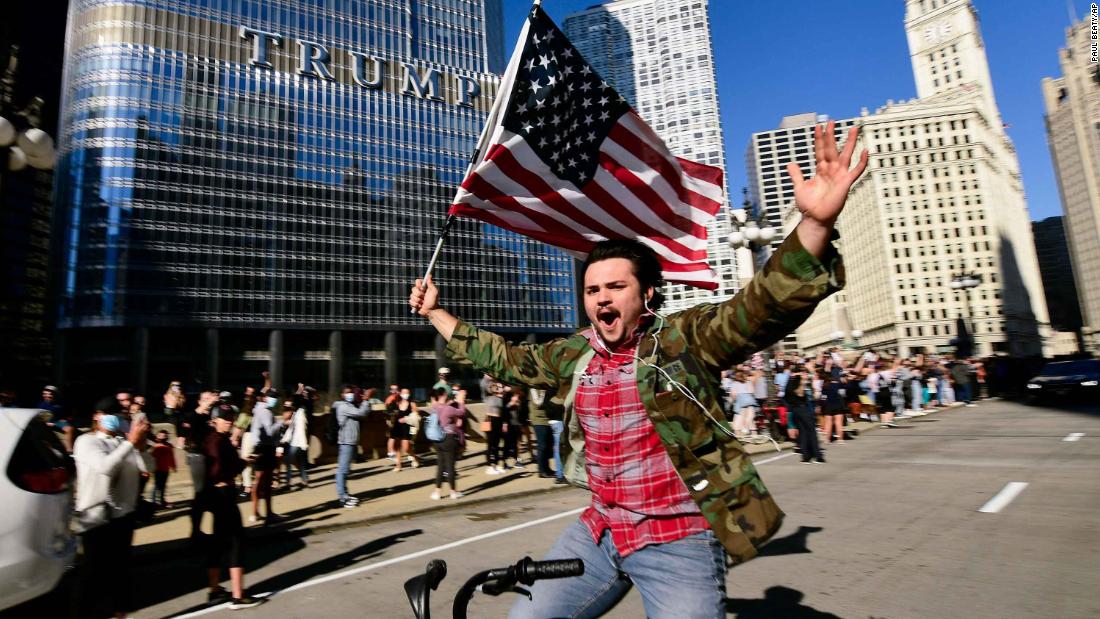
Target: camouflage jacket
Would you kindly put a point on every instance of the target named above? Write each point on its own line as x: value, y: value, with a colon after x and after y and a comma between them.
x: 695, y: 345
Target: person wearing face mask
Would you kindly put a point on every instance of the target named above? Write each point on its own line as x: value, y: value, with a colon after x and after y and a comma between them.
x: 266, y: 432
x: 108, y: 467
x: 670, y: 486
x: 348, y: 411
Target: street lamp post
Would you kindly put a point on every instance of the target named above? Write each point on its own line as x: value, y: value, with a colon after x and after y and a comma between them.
x: 964, y: 341
x: 24, y: 142
x: 749, y: 233
x: 856, y: 334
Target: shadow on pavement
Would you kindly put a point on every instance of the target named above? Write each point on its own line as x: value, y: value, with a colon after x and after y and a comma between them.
x: 329, y: 565
x: 500, y: 480
x: 334, y: 563
x: 777, y: 602
x: 793, y: 544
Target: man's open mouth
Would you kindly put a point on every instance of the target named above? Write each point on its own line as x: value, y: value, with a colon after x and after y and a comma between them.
x: 607, y: 318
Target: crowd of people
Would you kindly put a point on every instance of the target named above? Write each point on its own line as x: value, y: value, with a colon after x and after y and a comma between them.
x: 798, y: 398
x: 244, y: 448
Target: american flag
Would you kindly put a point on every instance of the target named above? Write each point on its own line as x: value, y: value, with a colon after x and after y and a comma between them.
x: 568, y: 162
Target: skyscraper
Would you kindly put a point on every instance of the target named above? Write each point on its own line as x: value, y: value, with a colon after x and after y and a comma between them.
x: 1057, y: 269
x: 657, y: 54
x: 248, y: 185
x: 1072, y: 117
x: 942, y: 197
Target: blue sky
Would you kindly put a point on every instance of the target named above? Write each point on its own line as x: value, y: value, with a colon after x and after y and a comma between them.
x: 774, y: 59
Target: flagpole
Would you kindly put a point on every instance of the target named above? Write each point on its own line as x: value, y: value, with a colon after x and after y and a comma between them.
x: 490, y: 122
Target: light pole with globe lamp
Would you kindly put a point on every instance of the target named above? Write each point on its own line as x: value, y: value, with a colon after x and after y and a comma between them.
x: 26, y: 144
x: 26, y: 156
x: 856, y: 334
x: 749, y: 233
x: 964, y: 340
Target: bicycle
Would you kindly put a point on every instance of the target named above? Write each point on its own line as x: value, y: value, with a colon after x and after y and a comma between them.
x: 490, y: 582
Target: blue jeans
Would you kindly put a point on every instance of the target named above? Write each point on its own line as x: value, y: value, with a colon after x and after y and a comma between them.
x: 685, y: 579
x: 343, y: 466
x: 296, y: 456
x: 556, y: 426
x: 962, y: 393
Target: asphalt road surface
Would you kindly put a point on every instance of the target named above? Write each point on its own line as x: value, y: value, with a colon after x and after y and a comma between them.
x: 972, y: 512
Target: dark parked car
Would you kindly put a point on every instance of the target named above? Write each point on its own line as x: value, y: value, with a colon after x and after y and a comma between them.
x: 1066, y: 379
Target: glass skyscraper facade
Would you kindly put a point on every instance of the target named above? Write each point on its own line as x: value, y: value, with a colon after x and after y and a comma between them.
x: 658, y: 55
x: 273, y: 175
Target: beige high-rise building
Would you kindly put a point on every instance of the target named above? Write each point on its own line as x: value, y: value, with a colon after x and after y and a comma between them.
x: 942, y: 197
x: 771, y: 190
x: 1072, y: 118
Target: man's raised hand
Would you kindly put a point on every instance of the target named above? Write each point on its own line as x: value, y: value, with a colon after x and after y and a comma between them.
x: 822, y: 197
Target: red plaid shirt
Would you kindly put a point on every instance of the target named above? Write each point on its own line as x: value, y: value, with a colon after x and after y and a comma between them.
x: 636, y: 491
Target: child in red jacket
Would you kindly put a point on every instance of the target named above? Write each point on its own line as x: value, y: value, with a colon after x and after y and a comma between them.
x: 165, y: 457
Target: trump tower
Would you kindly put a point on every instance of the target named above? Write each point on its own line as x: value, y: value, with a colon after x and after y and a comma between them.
x: 250, y: 185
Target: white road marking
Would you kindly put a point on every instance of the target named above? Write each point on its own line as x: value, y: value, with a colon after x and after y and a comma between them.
x: 374, y: 566
x: 774, y: 458
x: 1073, y: 437
x: 1011, y: 490
x: 429, y: 551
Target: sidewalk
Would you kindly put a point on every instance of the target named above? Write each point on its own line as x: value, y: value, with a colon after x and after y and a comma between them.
x: 384, y: 495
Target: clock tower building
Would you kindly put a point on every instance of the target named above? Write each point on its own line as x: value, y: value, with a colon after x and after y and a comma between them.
x: 942, y: 203
x: 947, y: 52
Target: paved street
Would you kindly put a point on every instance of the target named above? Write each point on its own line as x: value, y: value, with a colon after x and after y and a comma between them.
x: 890, y: 527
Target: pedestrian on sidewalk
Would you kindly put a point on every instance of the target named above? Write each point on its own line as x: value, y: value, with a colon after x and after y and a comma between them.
x: 194, y: 427
x: 801, y: 421
x: 514, y: 418
x: 413, y: 420
x: 916, y: 388
x: 108, y: 467
x: 744, y: 404
x: 242, y: 436
x: 833, y: 406
x: 451, y: 416
x: 494, y: 414
x: 223, y: 464
x: 960, y: 374
x: 882, y: 385
x: 394, y: 396
x: 537, y: 404
x: 399, y: 414
x: 164, y: 458
x: 554, y: 413
x: 266, y: 433
x: 174, y: 404
x: 444, y: 375
x: 346, y: 413
x: 295, y: 442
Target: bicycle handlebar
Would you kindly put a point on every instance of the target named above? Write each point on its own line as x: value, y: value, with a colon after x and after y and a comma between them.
x: 501, y: 580
x: 529, y: 571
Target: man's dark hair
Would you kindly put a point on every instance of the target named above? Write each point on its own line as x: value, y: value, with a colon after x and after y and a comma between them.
x: 647, y: 268
x: 438, y: 391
